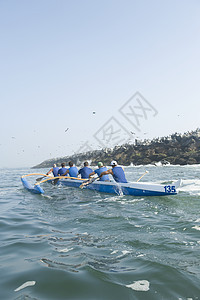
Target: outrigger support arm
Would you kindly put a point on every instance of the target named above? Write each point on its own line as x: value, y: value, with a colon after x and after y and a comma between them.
x: 60, y: 177
x: 32, y: 174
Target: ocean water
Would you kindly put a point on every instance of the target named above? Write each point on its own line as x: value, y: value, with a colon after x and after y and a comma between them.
x: 79, y: 244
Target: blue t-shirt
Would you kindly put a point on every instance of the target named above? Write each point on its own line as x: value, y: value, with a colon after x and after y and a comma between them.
x: 118, y: 174
x: 99, y: 171
x: 61, y: 171
x: 85, y: 172
x: 73, y: 172
x: 55, y: 171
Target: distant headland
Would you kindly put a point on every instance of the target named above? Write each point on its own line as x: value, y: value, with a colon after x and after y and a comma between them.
x: 176, y: 149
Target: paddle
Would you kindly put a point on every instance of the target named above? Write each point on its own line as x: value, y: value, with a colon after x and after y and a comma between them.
x: 40, y: 178
x: 142, y: 175
x: 88, y: 182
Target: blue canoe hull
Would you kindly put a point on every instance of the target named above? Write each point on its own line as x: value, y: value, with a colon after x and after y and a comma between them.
x: 134, y: 189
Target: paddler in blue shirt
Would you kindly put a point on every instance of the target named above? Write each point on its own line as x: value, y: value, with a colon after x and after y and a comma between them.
x: 85, y: 171
x: 53, y: 170
x: 72, y: 171
x: 101, y: 169
x: 62, y: 170
x: 117, y: 172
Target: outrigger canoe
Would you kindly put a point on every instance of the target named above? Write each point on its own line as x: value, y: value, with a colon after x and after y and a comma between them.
x: 131, y: 188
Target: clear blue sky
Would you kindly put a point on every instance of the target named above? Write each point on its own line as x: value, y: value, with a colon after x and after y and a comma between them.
x: 61, y: 61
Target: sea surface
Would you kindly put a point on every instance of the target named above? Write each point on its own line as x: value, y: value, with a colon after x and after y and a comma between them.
x: 80, y: 244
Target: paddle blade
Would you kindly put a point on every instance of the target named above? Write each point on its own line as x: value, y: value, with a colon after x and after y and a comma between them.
x: 88, y: 182
x: 40, y: 178
x: 55, y: 181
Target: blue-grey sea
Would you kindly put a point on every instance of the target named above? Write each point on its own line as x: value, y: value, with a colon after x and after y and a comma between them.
x: 80, y: 244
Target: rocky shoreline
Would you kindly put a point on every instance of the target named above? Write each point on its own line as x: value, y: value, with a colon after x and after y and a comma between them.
x: 176, y: 149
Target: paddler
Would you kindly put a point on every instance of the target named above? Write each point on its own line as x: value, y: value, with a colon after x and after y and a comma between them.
x: 85, y: 171
x: 62, y: 170
x: 53, y: 170
x: 72, y: 171
x: 117, y: 172
x: 99, y: 171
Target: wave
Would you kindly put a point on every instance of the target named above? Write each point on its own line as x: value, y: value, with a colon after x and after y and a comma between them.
x: 191, y: 186
x: 163, y: 165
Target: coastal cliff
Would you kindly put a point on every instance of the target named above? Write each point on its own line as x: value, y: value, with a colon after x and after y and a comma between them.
x: 177, y: 149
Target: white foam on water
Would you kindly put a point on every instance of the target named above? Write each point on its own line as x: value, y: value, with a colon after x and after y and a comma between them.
x: 190, y: 185
x: 125, y: 252
x: 65, y: 250
x: 191, y: 181
x: 114, y: 252
x: 191, y: 243
x: 140, y: 255
x: 46, y: 196
x: 140, y: 285
x: 124, y: 202
x: 190, y: 166
x: 196, y: 227
x: 24, y: 285
x: 136, y: 200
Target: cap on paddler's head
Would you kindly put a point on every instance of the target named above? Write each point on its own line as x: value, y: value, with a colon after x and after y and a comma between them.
x: 100, y: 164
x: 113, y: 163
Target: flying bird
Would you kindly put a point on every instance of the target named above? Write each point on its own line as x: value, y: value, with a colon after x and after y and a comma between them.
x: 66, y: 129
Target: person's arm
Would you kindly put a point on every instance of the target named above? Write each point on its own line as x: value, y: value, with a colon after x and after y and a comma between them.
x: 65, y: 173
x: 91, y: 174
x: 106, y: 172
x: 51, y: 170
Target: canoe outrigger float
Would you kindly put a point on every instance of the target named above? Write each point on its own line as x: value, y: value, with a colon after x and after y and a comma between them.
x: 131, y: 188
